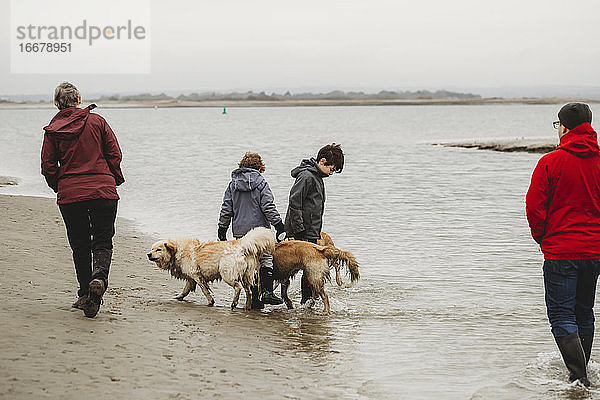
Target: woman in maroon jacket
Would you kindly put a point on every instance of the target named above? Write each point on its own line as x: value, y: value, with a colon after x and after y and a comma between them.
x: 81, y: 162
x: 563, y: 210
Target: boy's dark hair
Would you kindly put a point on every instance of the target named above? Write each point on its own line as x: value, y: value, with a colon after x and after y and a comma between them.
x: 333, y: 155
x: 252, y: 160
x: 575, y: 114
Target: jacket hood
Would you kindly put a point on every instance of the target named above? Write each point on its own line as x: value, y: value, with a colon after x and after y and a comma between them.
x: 310, y: 165
x: 246, y: 179
x: 69, y: 122
x: 581, y: 141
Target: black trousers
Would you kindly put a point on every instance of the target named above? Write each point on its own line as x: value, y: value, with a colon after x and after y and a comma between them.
x: 304, y: 285
x: 90, y: 228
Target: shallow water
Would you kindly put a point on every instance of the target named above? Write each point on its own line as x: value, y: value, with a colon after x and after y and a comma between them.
x: 450, y: 302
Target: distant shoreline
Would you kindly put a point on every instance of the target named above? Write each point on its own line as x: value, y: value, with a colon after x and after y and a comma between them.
x: 297, y: 103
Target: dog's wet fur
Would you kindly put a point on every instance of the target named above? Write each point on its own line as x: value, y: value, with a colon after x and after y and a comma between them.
x: 200, y: 263
x: 326, y: 240
x: 292, y: 256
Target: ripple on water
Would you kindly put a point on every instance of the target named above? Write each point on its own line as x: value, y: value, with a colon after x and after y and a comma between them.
x: 544, y: 378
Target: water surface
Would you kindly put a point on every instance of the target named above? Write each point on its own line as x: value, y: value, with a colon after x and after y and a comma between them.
x: 451, y: 298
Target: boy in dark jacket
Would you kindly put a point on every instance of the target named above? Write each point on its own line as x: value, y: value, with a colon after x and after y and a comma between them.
x: 248, y: 201
x: 304, y: 217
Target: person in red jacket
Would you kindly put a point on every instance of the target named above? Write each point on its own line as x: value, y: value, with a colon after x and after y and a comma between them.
x: 81, y: 162
x: 563, y: 211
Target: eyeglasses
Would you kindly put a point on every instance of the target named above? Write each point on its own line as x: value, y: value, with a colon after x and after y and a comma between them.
x: 556, y: 124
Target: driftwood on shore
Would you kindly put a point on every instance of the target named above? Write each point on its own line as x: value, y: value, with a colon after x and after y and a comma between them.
x: 528, y: 145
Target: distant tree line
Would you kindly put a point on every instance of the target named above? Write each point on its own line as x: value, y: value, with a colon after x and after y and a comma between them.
x: 333, y: 95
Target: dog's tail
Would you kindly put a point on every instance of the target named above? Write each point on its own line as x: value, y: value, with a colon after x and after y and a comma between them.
x: 258, y: 241
x: 333, y: 254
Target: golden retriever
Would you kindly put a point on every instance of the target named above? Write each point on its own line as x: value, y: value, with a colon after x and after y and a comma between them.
x: 326, y: 240
x: 196, y: 262
x: 292, y: 256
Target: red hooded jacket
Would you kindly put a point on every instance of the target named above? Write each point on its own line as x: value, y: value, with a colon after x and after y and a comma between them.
x: 563, y: 201
x: 81, y: 156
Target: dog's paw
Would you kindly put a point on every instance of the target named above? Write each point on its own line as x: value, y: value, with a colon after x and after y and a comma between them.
x: 180, y: 297
x: 211, y: 303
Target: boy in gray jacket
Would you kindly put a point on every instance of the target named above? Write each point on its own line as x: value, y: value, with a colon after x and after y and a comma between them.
x: 248, y: 201
x: 304, y: 217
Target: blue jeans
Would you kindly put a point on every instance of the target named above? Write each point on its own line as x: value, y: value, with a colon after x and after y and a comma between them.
x: 570, y: 293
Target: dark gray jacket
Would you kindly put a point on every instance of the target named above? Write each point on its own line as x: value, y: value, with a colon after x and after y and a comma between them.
x: 304, y: 217
x: 248, y: 200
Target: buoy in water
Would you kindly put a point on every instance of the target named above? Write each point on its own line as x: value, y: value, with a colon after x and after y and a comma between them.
x: 224, y: 111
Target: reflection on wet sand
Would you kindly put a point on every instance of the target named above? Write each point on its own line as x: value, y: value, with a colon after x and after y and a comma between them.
x: 306, y: 332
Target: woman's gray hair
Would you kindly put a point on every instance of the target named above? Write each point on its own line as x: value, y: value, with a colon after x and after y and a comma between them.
x: 66, y: 95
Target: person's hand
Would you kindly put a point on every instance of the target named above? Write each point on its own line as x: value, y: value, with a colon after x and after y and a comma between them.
x: 222, y: 234
x: 280, y: 235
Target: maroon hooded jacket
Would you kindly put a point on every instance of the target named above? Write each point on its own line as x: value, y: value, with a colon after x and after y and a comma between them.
x: 81, y: 156
x: 563, y: 201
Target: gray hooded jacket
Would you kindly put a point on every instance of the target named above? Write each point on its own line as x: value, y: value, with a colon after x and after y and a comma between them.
x: 248, y: 200
x: 304, y: 217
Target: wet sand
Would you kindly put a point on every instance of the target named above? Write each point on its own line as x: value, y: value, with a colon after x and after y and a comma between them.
x: 143, y: 343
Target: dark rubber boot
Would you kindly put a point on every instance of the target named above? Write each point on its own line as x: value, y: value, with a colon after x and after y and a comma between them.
x: 80, y: 302
x: 257, y: 304
x: 306, y: 290
x: 574, y: 358
x: 586, y: 343
x: 101, y: 265
x: 101, y: 260
x: 94, y: 299
x: 266, y: 282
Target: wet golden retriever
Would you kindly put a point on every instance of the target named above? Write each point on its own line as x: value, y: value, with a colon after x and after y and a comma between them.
x: 326, y: 240
x: 199, y: 263
x: 292, y: 256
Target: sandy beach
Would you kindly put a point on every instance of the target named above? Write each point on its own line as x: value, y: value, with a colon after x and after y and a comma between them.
x: 143, y: 343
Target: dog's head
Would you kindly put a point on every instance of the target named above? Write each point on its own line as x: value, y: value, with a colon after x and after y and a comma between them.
x: 162, y: 252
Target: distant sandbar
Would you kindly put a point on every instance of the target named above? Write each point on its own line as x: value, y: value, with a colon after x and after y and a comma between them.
x: 528, y: 145
x: 8, y: 181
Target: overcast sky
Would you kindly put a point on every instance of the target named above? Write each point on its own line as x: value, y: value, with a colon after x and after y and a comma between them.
x: 279, y: 45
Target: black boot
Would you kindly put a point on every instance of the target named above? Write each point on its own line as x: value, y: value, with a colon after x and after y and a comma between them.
x: 586, y: 343
x: 257, y: 304
x: 574, y: 357
x: 266, y: 282
x: 94, y: 300
x: 101, y: 265
x: 306, y: 289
